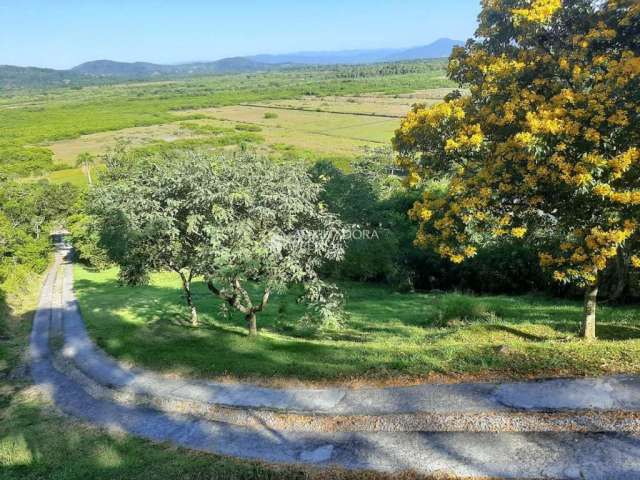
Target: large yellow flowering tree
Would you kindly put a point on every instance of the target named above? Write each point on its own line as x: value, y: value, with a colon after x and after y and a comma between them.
x: 545, y: 145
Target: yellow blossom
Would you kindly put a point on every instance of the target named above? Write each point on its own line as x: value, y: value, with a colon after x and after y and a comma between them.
x: 456, y: 258
x: 540, y: 11
x: 470, y: 251
x: 559, y: 276
x: 602, y: 190
x: 518, y: 232
x: 413, y: 179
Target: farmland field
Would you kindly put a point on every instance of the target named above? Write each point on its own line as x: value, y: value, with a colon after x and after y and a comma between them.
x: 367, y: 104
x: 326, y: 125
x: 315, y: 113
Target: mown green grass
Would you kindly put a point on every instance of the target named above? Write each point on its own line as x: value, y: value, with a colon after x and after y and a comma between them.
x: 74, y: 176
x: 36, y: 443
x: 387, y: 336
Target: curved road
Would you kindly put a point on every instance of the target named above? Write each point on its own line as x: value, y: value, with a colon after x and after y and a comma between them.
x: 480, y: 454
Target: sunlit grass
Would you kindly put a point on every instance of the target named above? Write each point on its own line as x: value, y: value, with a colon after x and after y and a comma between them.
x: 36, y: 443
x: 387, y: 335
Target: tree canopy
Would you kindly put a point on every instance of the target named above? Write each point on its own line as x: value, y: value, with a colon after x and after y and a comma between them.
x: 545, y: 145
x: 28, y: 211
x: 149, y: 215
x: 230, y: 220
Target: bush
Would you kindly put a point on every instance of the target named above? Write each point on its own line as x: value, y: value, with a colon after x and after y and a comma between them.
x: 456, y: 308
x: 509, y: 266
x: 133, y: 274
x: 28, y: 212
x: 366, y: 200
x: 17, y: 284
x: 20, y: 161
x: 248, y: 127
x: 270, y: 115
x: 370, y: 259
x: 22, y: 257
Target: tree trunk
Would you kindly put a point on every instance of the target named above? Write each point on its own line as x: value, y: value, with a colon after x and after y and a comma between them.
x: 186, y: 286
x: 194, y: 312
x: 589, y: 320
x: 89, y: 174
x: 194, y: 316
x: 252, y: 324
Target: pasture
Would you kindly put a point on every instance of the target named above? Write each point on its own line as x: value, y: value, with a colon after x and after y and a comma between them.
x: 45, y: 130
x: 365, y: 104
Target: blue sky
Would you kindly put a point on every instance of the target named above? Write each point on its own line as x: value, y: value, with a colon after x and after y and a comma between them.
x: 63, y: 33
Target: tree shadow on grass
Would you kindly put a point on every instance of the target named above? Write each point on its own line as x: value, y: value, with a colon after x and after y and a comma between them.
x: 145, y: 333
x: 139, y: 325
x: 617, y: 332
x: 604, y: 330
x: 517, y: 332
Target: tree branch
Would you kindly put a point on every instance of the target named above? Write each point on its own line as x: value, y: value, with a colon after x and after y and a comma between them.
x: 230, y: 299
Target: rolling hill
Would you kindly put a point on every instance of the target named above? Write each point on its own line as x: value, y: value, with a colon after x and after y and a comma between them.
x: 145, y: 70
x: 109, y: 71
x: 12, y: 77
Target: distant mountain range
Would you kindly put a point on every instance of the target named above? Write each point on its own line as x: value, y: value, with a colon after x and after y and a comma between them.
x: 439, y: 49
x: 106, y: 71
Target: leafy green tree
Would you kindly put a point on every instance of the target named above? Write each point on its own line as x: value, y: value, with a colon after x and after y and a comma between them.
x: 86, y: 240
x: 233, y: 221
x: 546, y: 144
x: 21, y: 255
x: 269, y: 228
x: 151, y: 216
x: 368, y: 198
x: 37, y: 206
x: 28, y: 211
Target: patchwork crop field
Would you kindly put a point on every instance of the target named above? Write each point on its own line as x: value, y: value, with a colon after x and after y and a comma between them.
x: 334, y: 126
x: 311, y: 114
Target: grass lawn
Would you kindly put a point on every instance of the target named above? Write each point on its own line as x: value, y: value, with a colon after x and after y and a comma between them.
x: 37, y: 443
x: 388, y: 338
x: 74, y: 176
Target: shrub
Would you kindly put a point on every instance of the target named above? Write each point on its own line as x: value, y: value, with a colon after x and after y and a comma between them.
x: 509, y: 266
x: 455, y: 307
x: 248, y: 127
x: 270, y: 115
x: 20, y: 161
